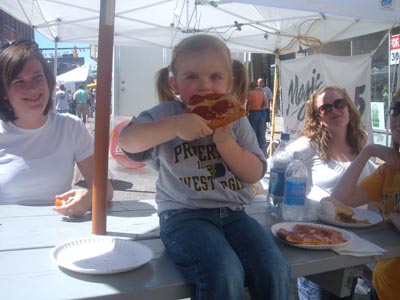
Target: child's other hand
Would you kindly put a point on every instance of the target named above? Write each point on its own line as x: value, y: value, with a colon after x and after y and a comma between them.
x: 222, y: 134
x: 191, y: 127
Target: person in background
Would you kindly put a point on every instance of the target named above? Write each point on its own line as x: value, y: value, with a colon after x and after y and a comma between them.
x: 269, y: 96
x: 332, y: 137
x: 382, y: 188
x: 71, y: 103
x: 256, y: 105
x: 205, y: 179
x: 62, y: 105
x: 92, y: 105
x: 81, y: 99
x: 39, y: 147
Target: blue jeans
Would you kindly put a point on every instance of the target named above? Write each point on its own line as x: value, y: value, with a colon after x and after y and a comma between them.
x: 257, y: 120
x: 309, y: 290
x: 220, y: 251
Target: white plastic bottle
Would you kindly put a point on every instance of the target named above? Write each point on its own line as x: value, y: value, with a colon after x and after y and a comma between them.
x: 293, y: 206
x: 279, y: 162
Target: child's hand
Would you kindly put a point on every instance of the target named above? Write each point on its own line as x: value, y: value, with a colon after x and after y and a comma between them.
x: 222, y: 134
x: 191, y: 127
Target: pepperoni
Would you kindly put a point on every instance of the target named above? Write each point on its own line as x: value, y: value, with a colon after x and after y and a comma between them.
x: 203, y: 111
x: 196, y: 99
x: 213, y: 97
x: 221, y: 107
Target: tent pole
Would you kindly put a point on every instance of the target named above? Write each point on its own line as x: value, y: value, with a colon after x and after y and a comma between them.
x: 389, y: 90
x: 55, y: 60
x: 55, y: 63
x: 102, y: 122
x: 276, y: 78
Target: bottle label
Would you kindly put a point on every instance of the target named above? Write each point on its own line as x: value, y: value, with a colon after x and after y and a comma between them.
x: 277, y: 181
x: 295, y: 191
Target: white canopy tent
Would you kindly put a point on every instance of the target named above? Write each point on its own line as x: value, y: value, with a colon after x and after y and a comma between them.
x: 273, y: 26
x: 78, y: 74
x: 246, y: 25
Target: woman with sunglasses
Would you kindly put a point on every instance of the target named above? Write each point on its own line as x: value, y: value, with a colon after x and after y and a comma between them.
x: 332, y: 137
x: 39, y: 147
x: 382, y: 188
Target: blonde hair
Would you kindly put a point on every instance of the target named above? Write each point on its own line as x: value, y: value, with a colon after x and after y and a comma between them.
x: 240, y: 81
x: 320, y: 136
x: 193, y: 44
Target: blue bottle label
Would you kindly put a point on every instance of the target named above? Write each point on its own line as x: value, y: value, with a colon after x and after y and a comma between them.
x: 277, y: 181
x: 295, y: 191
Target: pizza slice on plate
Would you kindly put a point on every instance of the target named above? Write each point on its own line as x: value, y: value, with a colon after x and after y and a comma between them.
x: 333, y: 209
x: 220, y: 109
x: 308, y: 234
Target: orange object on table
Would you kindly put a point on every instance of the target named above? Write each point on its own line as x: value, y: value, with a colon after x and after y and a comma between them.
x: 58, y: 202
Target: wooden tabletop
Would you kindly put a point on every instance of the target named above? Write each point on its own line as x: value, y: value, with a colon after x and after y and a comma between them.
x: 28, y: 234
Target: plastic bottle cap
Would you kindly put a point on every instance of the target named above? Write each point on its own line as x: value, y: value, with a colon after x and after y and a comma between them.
x: 285, y: 137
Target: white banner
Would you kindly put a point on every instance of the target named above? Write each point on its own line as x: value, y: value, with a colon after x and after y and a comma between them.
x: 301, y: 76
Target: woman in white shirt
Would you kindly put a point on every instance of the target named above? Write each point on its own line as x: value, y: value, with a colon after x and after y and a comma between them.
x: 39, y: 147
x: 332, y: 137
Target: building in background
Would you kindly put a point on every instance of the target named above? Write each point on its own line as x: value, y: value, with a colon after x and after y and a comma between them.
x: 66, y: 62
x: 12, y: 29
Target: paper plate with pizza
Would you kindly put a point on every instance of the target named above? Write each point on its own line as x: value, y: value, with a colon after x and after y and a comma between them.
x: 336, y: 213
x: 220, y: 109
x: 310, y: 235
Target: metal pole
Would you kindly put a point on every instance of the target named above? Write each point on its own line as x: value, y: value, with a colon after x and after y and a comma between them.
x: 276, y: 83
x: 389, y: 89
x: 102, y: 122
x: 55, y: 60
x: 55, y: 63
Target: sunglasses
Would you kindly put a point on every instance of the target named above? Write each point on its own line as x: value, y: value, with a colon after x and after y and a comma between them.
x: 24, y: 42
x: 327, y: 108
x: 394, y: 110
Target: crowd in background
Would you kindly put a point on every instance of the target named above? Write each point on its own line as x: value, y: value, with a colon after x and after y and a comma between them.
x: 80, y: 102
x: 259, y: 102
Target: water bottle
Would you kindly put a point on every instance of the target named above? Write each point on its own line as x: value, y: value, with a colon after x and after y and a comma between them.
x: 293, y: 206
x: 279, y: 162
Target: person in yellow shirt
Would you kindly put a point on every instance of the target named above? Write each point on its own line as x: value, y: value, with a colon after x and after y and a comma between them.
x: 383, y: 188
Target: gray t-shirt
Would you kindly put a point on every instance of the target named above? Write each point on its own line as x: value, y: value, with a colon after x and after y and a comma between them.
x: 268, y: 93
x: 192, y: 174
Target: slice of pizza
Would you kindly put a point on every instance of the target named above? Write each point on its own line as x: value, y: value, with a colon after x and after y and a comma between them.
x: 338, y: 211
x: 343, y: 212
x: 220, y: 109
x: 306, y: 234
x: 322, y: 234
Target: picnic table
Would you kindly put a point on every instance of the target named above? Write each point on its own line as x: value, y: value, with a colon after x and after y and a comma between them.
x: 29, y: 233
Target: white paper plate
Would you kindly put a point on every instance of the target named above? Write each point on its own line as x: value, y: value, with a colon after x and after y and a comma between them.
x: 290, y: 225
x: 360, y: 214
x: 101, y: 255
